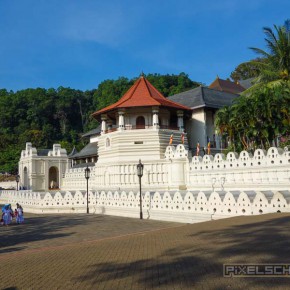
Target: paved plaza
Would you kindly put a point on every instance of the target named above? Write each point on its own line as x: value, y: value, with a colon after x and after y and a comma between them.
x: 106, y: 252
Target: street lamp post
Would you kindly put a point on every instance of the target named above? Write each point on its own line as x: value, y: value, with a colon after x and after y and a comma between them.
x: 140, y: 174
x: 87, y: 176
x: 17, y: 177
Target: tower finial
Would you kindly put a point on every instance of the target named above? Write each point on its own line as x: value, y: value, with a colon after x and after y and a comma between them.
x: 142, y: 74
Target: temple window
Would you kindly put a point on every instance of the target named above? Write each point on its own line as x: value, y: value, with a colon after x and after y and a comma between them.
x: 140, y: 122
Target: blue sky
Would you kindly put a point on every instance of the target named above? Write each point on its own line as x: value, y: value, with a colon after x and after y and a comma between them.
x: 80, y: 43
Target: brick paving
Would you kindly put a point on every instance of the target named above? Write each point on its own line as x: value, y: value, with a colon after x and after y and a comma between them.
x: 105, y: 252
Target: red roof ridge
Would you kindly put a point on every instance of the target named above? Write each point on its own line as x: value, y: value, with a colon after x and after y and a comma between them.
x: 141, y: 94
x: 135, y: 86
x: 147, y: 86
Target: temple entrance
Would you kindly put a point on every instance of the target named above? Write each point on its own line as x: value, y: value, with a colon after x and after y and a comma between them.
x: 53, y: 182
x: 173, y: 122
x: 25, y: 178
x: 140, y: 122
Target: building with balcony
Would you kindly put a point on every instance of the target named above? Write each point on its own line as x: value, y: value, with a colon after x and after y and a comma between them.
x: 204, y: 103
x: 143, y: 120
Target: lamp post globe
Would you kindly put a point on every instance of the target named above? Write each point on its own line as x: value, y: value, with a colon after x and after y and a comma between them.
x: 140, y: 167
x: 87, y: 176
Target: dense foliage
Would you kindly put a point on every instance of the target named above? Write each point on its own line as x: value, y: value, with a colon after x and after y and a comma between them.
x: 246, y: 70
x: 262, y: 114
x: 256, y: 120
x: 42, y: 117
x: 47, y: 116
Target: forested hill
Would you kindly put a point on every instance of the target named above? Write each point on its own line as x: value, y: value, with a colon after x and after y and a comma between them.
x: 47, y: 116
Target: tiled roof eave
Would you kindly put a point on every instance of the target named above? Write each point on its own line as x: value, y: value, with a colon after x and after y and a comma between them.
x: 198, y: 107
x: 177, y: 107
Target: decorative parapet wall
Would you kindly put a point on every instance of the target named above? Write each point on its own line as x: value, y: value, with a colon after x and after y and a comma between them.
x: 179, y: 206
x: 29, y: 151
x: 57, y: 151
x: 263, y: 170
x: 176, y: 188
x: 177, y: 152
x: 118, y: 176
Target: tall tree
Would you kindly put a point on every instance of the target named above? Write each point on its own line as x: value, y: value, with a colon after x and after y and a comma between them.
x: 246, y: 70
x: 261, y: 113
x: 275, y: 67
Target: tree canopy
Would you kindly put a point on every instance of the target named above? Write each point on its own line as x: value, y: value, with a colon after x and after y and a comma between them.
x: 246, y: 70
x: 275, y: 67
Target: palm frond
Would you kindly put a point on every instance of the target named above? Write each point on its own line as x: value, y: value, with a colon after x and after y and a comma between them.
x: 270, y: 34
x: 260, y: 51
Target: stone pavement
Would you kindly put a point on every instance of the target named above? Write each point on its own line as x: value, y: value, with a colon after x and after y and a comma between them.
x: 105, y: 252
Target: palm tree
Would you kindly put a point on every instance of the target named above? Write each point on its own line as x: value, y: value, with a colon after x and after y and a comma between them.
x: 268, y: 99
x: 275, y: 67
x: 261, y: 113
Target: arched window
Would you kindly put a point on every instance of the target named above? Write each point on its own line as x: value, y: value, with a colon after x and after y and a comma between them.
x: 53, y: 178
x: 140, y: 122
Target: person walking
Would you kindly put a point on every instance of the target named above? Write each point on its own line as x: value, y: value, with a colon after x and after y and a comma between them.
x: 20, y: 216
x: 7, y: 214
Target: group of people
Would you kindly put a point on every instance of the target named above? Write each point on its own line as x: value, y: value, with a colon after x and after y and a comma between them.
x: 8, y: 214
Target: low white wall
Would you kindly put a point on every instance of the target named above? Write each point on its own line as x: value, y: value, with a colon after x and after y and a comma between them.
x: 8, y: 184
x: 178, y: 171
x: 185, y: 206
x: 263, y: 171
x: 118, y: 176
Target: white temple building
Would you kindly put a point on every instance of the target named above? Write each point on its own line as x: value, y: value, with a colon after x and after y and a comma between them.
x: 42, y: 169
x: 177, y: 184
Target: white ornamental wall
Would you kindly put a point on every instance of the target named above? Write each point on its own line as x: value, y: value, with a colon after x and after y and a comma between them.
x: 179, y: 206
x: 264, y: 170
x: 118, y: 176
x: 8, y: 184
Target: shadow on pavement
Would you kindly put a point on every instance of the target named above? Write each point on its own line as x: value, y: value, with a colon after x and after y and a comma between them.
x: 268, y: 240
x: 38, y: 228
x: 198, y: 258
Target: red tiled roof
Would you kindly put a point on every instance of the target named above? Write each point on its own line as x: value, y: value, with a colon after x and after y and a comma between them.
x: 226, y: 86
x: 142, y: 94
